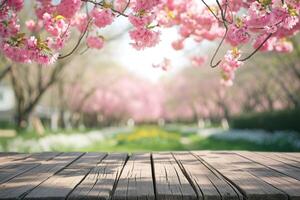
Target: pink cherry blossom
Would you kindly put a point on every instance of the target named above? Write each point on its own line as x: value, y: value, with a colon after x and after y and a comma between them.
x: 145, y: 5
x: 139, y: 21
x: 237, y: 35
x: 229, y: 65
x: 95, y: 42
x: 267, y: 46
x: 31, y: 25
x: 68, y: 8
x: 80, y: 21
x: 144, y: 37
x: 17, y: 5
x: 120, y: 5
x: 102, y: 17
x: 283, y: 46
x: 10, y: 28
x: 54, y: 26
x: 178, y: 44
x: 269, y: 24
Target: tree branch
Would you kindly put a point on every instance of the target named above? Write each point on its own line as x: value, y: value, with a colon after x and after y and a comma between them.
x: 5, y: 71
x: 112, y: 9
x: 78, y: 42
x: 257, y: 49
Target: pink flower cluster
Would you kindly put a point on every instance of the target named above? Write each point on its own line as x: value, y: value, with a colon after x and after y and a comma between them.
x: 178, y: 44
x: 264, y: 18
x: 58, y: 29
x: 120, y: 5
x: 145, y: 5
x: 266, y: 25
x: 9, y: 26
x: 18, y: 47
x: 95, y: 42
x: 143, y: 20
x: 102, y: 17
x: 80, y: 21
x: 237, y: 35
x: 229, y: 65
x: 16, y: 5
x: 144, y: 37
x: 14, y: 44
x: 143, y: 34
x: 31, y: 51
x: 193, y: 21
x: 68, y: 8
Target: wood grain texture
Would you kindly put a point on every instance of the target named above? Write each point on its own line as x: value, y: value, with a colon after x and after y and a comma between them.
x: 201, y: 175
x: 58, y: 187
x: 8, y: 158
x: 208, y: 185
x: 136, y: 180
x: 171, y: 183
x: 276, y: 165
x: 18, y: 167
x: 101, y: 181
x: 19, y: 186
x: 289, y: 160
x: 284, y: 183
x: 252, y: 187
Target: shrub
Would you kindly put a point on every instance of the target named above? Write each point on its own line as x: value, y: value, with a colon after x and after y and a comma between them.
x: 270, y: 121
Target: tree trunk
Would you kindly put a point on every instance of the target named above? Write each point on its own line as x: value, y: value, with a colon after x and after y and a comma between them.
x: 21, y: 120
x: 61, y: 121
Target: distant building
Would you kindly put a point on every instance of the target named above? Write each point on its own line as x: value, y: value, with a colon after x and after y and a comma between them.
x: 7, y: 103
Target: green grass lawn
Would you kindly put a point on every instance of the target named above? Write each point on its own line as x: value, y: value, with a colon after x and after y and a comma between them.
x: 153, y: 138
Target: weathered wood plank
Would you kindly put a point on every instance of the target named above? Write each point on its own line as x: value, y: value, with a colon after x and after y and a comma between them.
x: 288, y: 185
x: 282, y: 157
x: 208, y: 184
x: 15, y: 168
x: 10, y: 157
x: 136, y: 179
x: 252, y: 187
x: 58, y: 187
x: 180, y: 175
x: 4, y: 154
x: 100, y: 182
x: 19, y: 186
x: 273, y: 164
x: 171, y: 183
x: 295, y: 155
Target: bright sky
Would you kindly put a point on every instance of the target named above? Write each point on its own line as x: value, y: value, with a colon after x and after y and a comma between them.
x: 140, y: 62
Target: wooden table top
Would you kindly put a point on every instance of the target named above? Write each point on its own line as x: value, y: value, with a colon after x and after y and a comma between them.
x: 203, y: 175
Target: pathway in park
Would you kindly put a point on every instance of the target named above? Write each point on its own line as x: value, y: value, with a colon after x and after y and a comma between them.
x: 151, y: 176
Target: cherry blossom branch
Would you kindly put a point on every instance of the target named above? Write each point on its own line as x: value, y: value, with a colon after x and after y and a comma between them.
x: 223, y: 38
x: 212, y: 12
x: 78, y: 42
x: 217, y: 50
x: 127, y: 5
x: 102, y: 5
x: 223, y: 14
x: 109, y: 39
x: 257, y: 49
